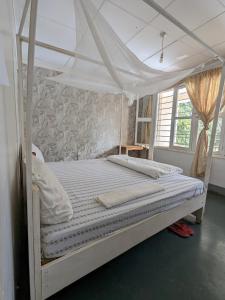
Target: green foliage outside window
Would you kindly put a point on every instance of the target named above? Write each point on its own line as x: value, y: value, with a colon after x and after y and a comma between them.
x: 183, y: 125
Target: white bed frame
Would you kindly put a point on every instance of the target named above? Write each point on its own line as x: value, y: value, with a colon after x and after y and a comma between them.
x: 54, y: 276
x: 45, y: 280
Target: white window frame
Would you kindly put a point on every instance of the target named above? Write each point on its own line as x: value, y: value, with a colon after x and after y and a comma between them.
x: 194, y: 130
x: 222, y: 138
x: 173, y: 122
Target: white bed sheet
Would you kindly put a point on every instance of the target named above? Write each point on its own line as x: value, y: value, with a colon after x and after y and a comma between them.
x: 84, y: 180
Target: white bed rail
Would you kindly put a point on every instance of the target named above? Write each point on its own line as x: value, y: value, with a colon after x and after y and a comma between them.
x: 37, y: 241
x: 77, y: 264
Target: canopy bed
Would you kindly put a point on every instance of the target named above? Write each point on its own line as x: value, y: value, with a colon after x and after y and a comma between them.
x: 75, y: 248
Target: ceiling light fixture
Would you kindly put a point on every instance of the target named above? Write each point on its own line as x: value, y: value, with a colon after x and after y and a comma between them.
x: 162, y: 35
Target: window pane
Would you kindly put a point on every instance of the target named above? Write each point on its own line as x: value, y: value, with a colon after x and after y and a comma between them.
x: 184, y: 106
x: 165, y: 104
x: 145, y: 107
x: 182, y: 132
x: 143, y: 133
x: 218, y: 133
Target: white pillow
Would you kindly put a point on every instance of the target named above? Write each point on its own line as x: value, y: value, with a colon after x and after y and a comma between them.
x: 38, y: 153
x: 55, y: 204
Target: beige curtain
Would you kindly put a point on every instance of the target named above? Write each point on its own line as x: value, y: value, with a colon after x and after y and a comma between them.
x: 203, y: 90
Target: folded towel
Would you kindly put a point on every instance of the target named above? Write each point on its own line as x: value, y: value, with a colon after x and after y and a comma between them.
x: 120, y: 196
x: 145, y: 166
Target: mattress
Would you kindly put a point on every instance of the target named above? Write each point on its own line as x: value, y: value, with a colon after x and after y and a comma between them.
x: 84, y: 180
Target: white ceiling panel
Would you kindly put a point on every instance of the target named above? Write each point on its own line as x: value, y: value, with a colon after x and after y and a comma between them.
x: 148, y: 41
x: 139, y: 8
x: 193, y: 13
x: 173, y: 55
x: 59, y: 11
x: 190, y: 42
x: 162, y: 24
x: 122, y: 23
x: 53, y: 33
x: 213, y: 32
x: 192, y: 61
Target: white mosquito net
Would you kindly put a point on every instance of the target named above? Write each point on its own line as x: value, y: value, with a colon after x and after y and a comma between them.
x: 107, y: 65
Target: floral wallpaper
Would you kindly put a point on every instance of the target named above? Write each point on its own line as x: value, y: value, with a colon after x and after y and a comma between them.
x: 71, y: 124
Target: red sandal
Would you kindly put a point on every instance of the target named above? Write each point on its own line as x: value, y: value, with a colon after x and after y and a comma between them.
x: 185, y: 227
x: 181, y: 231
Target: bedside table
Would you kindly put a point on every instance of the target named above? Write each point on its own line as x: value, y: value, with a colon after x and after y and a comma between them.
x: 126, y: 148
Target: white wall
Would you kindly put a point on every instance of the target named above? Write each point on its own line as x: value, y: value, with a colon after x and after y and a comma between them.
x: 9, y: 194
x: 184, y: 160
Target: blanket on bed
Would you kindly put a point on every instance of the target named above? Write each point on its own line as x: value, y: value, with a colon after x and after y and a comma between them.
x: 129, y: 193
x: 148, y: 167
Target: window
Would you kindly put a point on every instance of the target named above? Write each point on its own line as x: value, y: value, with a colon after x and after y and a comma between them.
x: 163, y: 126
x: 182, y: 119
x: 178, y: 124
x: 174, y: 118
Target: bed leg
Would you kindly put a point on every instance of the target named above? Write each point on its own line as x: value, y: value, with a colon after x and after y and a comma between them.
x: 199, y: 215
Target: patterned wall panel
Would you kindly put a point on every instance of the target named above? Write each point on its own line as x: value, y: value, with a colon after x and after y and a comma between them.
x: 70, y: 124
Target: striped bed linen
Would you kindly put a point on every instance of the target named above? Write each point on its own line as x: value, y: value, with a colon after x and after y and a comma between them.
x: 84, y: 180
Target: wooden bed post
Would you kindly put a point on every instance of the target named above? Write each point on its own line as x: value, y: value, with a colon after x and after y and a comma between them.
x: 121, y: 122
x: 33, y: 242
x: 153, y: 126
x: 20, y: 91
x: 136, y: 121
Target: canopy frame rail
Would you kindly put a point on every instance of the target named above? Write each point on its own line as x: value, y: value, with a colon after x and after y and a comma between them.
x: 23, y: 18
x: 76, y: 55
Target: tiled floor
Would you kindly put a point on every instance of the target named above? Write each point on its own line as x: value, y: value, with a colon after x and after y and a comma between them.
x: 164, y: 266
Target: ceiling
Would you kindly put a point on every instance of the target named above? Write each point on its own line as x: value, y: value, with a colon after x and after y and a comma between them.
x: 138, y: 26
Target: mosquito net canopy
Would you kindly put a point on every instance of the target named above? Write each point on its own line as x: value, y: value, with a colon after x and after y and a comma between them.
x: 106, y: 64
